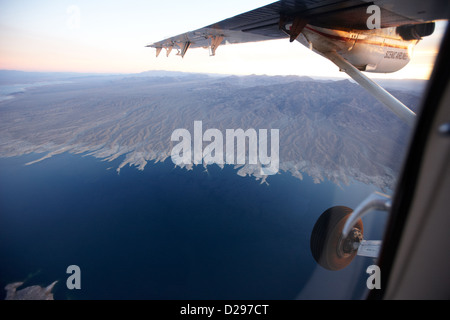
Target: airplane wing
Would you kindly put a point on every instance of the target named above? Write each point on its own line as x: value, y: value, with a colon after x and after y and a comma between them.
x: 265, y: 22
x: 290, y: 18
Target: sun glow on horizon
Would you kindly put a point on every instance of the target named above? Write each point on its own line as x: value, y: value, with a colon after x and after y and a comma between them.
x: 110, y: 37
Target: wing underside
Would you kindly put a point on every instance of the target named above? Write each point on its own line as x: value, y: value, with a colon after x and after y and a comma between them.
x: 266, y: 23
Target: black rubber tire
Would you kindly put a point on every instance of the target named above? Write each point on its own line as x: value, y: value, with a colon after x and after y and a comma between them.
x: 326, y: 236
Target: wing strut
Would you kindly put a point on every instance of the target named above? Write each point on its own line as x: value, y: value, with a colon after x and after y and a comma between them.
x: 377, y: 91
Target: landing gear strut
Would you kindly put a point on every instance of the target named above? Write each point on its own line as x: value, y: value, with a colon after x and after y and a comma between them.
x: 337, y: 236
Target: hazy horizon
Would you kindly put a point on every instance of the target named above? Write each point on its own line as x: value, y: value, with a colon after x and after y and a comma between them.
x: 110, y: 37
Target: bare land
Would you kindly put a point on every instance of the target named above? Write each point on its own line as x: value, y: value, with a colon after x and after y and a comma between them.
x: 328, y: 129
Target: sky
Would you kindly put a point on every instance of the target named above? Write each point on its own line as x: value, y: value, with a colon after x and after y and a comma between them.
x: 109, y: 36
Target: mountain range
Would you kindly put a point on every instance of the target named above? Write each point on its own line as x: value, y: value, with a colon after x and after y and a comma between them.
x: 329, y: 129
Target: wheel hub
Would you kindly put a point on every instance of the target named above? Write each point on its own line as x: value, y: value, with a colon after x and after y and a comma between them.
x: 350, y: 244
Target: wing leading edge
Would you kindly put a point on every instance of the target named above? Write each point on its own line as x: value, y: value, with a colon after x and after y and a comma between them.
x: 265, y: 23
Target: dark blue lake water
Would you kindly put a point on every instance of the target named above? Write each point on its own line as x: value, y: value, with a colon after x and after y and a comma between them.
x: 169, y: 233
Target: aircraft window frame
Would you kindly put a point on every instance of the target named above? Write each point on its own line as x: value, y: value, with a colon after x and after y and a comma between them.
x: 408, y: 179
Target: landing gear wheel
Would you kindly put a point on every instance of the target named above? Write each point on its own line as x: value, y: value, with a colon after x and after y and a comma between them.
x: 328, y: 247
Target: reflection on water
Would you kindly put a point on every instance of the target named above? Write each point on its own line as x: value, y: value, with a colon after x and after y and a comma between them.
x: 9, y: 91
